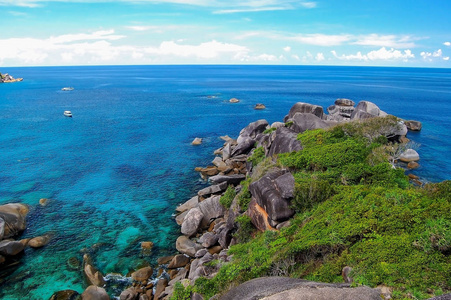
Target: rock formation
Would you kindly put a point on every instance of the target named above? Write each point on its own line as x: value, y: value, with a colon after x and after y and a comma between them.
x: 5, y: 78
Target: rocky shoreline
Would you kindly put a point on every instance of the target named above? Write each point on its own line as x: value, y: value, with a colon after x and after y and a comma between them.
x: 6, y: 78
x: 209, y: 221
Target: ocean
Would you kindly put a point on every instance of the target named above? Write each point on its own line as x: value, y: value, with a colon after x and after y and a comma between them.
x: 116, y: 170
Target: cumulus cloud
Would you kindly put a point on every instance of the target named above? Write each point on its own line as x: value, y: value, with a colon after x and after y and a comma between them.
x: 321, y: 39
x: 287, y: 49
x: 430, y: 56
x: 447, y: 44
x: 319, y: 57
x: 375, y: 55
x: 99, y: 48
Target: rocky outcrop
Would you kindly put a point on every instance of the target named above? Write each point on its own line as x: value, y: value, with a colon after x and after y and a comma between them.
x: 95, y: 293
x: 6, y: 78
x: 308, y: 108
x: 13, y: 215
x: 413, y: 125
x: 283, y: 288
x: 304, y: 121
x: 285, y: 141
x: 273, y: 192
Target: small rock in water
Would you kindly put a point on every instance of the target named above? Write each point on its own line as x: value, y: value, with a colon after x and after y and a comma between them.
x: 413, y: 165
x: 39, y: 241
x: 259, y: 106
x: 65, y: 295
x: 413, y: 125
x: 43, y: 201
x: 74, y: 263
x: 234, y: 100
x: 196, y: 141
x: 409, y: 155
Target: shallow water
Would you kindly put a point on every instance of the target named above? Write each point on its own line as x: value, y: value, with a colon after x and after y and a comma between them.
x: 116, y: 170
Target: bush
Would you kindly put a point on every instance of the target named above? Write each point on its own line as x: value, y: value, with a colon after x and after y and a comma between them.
x: 244, y: 196
x: 245, y: 229
x: 227, y: 199
x: 257, y: 156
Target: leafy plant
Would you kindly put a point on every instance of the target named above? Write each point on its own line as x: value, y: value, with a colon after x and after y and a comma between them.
x: 227, y: 199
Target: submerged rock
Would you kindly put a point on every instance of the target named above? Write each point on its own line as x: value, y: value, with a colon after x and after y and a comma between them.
x: 234, y: 100
x: 196, y: 141
x: 95, y: 293
x: 66, y: 295
x: 259, y: 106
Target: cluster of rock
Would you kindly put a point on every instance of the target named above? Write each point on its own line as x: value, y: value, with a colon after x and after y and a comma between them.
x: 208, y: 228
x: 5, y: 78
x: 12, y: 224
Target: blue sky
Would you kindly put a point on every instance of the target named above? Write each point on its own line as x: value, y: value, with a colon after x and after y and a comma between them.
x: 414, y: 33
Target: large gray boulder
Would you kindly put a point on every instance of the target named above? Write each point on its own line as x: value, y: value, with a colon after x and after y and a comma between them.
x: 285, y: 141
x: 211, y: 210
x: 252, y: 130
x: 365, y: 110
x: 13, y: 215
x: 188, y: 204
x: 344, y: 102
x: 245, y: 145
x: 186, y: 246
x: 2, y: 228
x: 212, y: 189
x: 304, y: 121
x: 268, y: 192
x: 192, y: 222
x: 409, y: 155
x: 230, y: 179
x: 95, y: 293
x: 283, y: 288
x: 308, y: 108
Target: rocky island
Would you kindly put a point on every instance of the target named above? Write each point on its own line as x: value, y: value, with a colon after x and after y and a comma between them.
x: 317, y: 206
x: 6, y: 78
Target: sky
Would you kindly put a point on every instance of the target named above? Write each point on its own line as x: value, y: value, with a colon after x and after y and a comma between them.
x: 404, y: 33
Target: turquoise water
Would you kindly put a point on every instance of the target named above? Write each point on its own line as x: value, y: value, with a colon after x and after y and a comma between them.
x: 116, y: 170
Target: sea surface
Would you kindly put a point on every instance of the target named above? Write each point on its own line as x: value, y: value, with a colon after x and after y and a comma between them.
x: 114, y: 172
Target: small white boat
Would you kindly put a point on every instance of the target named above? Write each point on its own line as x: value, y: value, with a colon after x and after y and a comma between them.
x: 68, y: 113
x: 67, y: 88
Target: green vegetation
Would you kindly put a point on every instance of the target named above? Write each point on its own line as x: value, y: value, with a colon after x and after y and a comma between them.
x: 181, y: 293
x: 227, y: 199
x: 270, y: 130
x: 353, y: 209
x: 257, y: 156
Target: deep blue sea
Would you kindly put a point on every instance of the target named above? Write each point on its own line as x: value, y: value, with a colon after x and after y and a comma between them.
x: 115, y: 171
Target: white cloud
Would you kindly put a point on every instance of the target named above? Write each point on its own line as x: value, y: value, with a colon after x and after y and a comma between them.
x: 308, y: 4
x: 447, y: 44
x: 391, y: 41
x: 321, y: 39
x: 430, y: 56
x: 253, y: 9
x: 296, y: 57
x: 382, y: 55
x: 287, y: 49
x: 319, y: 57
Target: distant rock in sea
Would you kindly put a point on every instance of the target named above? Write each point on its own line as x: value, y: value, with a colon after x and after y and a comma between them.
x: 6, y: 78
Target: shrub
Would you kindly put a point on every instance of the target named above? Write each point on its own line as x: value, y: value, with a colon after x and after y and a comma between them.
x: 245, y: 229
x: 244, y: 196
x: 227, y: 199
x: 257, y: 156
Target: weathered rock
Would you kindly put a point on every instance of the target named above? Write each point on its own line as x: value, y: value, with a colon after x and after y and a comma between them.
x: 413, y: 165
x: 39, y: 241
x: 146, y: 245
x: 442, y: 297
x: 245, y: 145
x: 230, y: 179
x: 213, y: 189
x: 14, y: 215
x: 302, y: 107
x: 196, y: 141
x: 164, y: 260
x: 10, y: 248
x: 283, y: 288
x: 188, y: 204
x: 409, y: 155
x: 93, y: 276
x: 226, y: 151
x: 209, y: 171
x: 192, y: 221
x: 252, y: 130
x: 186, y: 246
x: 304, y: 121
x: 214, y: 249
x: 179, y: 218
x: 179, y: 261
x: 144, y: 297
x: 285, y: 141
x: 413, y: 125
x: 129, y: 294
x: 259, y: 106
x: 211, y: 210
x: 196, y: 296
x: 6, y: 78
x: 208, y: 239
x: 267, y: 193
x: 412, y: 176
x: 142, y: 274
x: 161, y: 285
x: 66, y: 295
x: 225, y: 236
x: 201, y: 253
x: 259, y: 217
x: 95, y: 293
x: 344, y: 102
x: 367, y: 107
x: 44, y: 202
x: 234, y: 100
